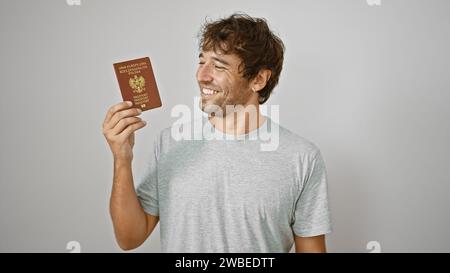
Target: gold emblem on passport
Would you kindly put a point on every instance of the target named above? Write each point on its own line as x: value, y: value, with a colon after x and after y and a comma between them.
x: 137, y: 83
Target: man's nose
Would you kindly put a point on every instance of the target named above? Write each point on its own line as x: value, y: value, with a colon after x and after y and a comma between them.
x: 204, y: 73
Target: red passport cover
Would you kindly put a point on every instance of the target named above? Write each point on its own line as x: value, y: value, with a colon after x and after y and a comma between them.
x: 137, y: 83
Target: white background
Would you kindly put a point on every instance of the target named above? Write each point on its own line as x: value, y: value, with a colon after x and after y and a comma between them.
x: 369, y: 85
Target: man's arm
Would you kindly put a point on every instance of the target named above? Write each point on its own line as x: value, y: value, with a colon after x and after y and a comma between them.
x: 315, y: 244
x: 132, y: 225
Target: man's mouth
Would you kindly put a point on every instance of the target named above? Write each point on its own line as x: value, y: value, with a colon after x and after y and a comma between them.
x: 207, y: 92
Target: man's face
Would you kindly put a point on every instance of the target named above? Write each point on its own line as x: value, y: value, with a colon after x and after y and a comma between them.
x: 220, y: 82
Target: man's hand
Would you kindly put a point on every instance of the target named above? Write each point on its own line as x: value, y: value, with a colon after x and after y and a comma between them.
x: 118, y: 128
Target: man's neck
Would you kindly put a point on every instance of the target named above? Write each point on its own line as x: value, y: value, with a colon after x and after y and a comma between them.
x: 239, y: 122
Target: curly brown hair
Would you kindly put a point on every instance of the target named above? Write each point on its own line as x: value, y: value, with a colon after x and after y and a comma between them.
x: 250, y: 39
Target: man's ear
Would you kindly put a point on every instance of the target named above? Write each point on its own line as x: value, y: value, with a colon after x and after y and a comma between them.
x: 260, y: 81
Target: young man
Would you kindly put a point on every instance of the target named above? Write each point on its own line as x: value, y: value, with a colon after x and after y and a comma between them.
x: 223, y: 195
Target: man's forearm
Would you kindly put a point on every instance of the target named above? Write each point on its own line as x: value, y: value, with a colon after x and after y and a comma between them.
x: 127, y: 215
x: 315, y: 244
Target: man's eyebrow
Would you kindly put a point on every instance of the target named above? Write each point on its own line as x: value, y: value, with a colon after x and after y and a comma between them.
x: 221, y: 61
x: 216, y: 59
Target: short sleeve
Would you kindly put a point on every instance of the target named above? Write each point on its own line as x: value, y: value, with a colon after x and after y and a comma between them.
x: 312, y: 213
x: 147, y: 191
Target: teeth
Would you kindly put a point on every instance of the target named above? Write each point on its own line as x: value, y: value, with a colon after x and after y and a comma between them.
x: 207, y: 91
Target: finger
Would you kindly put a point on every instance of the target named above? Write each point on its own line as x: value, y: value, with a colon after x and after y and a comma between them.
x: 130, y: 129
x: 123, y: 114
x: 115, y: 108
x: 123, y: 123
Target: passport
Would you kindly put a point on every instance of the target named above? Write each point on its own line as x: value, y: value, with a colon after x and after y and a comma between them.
x: 137, y: 83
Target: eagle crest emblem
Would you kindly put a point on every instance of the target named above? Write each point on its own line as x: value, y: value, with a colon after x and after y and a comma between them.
x: 137, y: 84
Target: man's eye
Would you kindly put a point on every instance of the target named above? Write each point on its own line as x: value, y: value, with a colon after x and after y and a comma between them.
x: 219, y: 67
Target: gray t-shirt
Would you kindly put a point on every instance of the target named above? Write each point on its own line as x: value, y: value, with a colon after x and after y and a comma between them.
x: 216, y: 195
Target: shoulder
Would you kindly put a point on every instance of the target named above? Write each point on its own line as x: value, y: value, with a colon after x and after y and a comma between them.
x: 292, y: 142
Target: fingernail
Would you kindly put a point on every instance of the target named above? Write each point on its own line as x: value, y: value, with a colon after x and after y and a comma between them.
x: 129, y: 103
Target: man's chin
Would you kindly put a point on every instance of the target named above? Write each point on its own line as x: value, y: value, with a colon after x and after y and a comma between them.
x: 210, y: 108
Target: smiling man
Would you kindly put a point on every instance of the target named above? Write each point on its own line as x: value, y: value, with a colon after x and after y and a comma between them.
x: 223, y: 195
